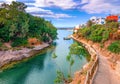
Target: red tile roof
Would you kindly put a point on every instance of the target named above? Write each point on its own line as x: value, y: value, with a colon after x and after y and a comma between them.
x: 112, y: 18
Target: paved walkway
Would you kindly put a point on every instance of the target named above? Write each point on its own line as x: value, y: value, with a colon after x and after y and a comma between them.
x: 105, y: 74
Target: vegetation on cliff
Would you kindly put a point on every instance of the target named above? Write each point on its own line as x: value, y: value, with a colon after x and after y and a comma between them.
x: 17, y: 26
x: 102, y: 33
x: 115, y: 47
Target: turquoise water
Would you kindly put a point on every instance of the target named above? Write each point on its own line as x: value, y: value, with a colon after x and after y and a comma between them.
x: 42, y: 68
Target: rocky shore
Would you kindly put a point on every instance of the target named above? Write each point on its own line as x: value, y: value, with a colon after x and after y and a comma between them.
x: 9, y: 56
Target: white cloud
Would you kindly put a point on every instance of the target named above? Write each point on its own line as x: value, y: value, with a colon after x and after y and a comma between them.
x: 101, y: 6
x: 63, y: 4
x: 8, y: 1
x: 36, y: 11
x: 62, y: 16
x: 56, y: 16
x: 84, y: 1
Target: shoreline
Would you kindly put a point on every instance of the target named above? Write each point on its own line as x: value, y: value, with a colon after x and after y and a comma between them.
x: 87, y: 73
x: 106, y: 56
x: 7, y: 57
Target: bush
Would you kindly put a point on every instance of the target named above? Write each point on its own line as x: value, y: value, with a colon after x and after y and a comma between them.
x: 1, y: 43
x: 105, y: 35
x: 96, y: 38
x: 16, y: 24
x: 46, y: 39
x: 19, y: 42
x: 96, y: 26
x: 97, y: 35
x: 114, y: 47
x: 85, y: 32
x: 112, y: 25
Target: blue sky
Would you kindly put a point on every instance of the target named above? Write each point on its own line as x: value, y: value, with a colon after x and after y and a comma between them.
x: 68, y: 13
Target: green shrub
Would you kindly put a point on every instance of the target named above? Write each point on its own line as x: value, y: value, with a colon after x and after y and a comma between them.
x: 19, y: 42
x: 16, y: 23
x: 85, y: 32
x: 1, y: 43
x: 96, y: 26
x: 96, y: 38
x: 96, y: 35
x: 46, y: 39
x: 114, y: 47
x: 112, y: 25
x: 105, y: 35
x: 78, y: 49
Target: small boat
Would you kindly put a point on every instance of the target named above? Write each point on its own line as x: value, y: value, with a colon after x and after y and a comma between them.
x: 66, y: 38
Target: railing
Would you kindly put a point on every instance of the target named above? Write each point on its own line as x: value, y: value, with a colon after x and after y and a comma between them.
x: 94, y: 60
x: 91, y: 72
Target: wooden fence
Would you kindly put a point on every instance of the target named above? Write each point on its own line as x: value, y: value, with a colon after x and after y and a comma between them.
x: 95, y: 58
x: 91, y: 72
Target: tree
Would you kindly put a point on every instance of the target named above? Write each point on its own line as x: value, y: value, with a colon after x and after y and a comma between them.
x: 14, y: 5
x: 89, y: 23
x: 114, y: 47
x: 16, y: 24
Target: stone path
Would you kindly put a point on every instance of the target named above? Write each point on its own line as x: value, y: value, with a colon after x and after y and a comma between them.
x: 105, y: 74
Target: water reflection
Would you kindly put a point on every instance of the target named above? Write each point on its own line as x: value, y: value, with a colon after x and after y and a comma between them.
x: 41, y: 69
x: 18, y: 74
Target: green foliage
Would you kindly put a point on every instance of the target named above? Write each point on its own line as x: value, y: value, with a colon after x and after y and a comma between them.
x: 19, y: 42
x: 77, y: 49
x: 60, y: 75
x: 105, y: 35
x: 15, y: 5
x: 97, y: 33
x: 59, y: 78
x: 112, y: 24
x: 96, y: 38
x: 68, y: 57
x: 93, y: 27
x: 16, y: 23
x: 45, y: 39
x: 1, y: 43
x: 85, y: 32
x: 54, y: 56
x: 71, y: 62
x: 89, y: 23
x: 114, y: 47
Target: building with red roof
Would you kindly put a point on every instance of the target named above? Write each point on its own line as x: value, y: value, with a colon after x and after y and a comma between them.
x: 112, y: 18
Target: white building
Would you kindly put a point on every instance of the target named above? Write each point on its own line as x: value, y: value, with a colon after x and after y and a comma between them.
x: 97, y: 20
x: 77, y: 27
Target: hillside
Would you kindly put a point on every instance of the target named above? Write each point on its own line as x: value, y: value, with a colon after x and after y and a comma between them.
x: 17, y: 27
